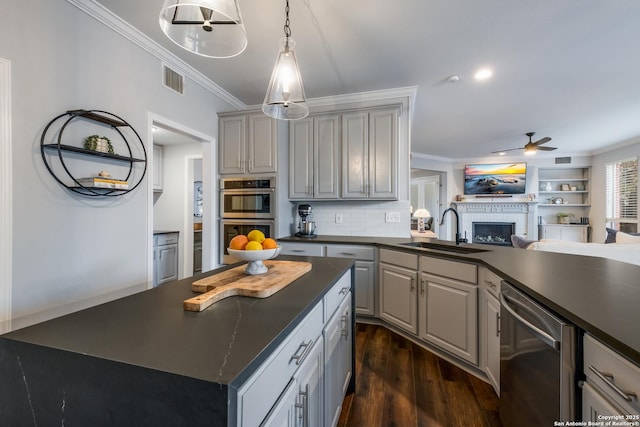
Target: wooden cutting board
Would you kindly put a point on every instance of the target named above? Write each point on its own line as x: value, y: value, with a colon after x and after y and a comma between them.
x: 236, y: 282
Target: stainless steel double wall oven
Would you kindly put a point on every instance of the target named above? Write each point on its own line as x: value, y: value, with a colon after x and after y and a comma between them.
x: 246, y: 203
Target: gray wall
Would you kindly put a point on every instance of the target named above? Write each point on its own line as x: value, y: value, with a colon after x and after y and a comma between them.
x: 69, y: 251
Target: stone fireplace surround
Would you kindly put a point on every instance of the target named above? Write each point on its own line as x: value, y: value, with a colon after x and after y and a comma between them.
x: 519, y: 212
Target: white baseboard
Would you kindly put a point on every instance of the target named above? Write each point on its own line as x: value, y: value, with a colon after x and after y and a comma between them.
x: 71, y: 307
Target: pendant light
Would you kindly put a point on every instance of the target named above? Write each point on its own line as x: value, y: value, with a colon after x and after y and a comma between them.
x: 285, y: 98
x: 212, y: 28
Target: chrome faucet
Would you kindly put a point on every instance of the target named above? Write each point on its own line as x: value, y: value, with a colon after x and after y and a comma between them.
x: 459, y: 238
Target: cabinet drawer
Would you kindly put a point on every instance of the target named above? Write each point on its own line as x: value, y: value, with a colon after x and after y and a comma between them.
x: 489, y: 281
x: 262, y: 389
x: 365, y: 253
x: 166, y: 239
x: 454, y: 269
x: 402, y: 259
x: 626, y: 375
x: 303, y: 249
x: 334, y: 297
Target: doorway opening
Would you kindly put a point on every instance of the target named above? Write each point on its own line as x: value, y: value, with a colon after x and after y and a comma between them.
x: 425, y: 194
x: 182, y: 197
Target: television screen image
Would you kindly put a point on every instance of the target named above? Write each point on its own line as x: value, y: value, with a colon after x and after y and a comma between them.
x: 497, y: 178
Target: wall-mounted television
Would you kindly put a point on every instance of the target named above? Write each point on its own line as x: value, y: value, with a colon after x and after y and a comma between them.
x: 495, y: 178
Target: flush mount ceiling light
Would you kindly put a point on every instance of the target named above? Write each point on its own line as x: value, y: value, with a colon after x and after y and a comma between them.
x: 483, y: 74
x: 285, y: 98
x: 212, y: 28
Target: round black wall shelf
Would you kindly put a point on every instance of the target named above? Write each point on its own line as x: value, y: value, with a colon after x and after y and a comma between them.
x: 79, y: 185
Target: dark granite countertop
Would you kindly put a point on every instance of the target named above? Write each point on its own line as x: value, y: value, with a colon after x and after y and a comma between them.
x: 599, y: 295
x: 222, y: 344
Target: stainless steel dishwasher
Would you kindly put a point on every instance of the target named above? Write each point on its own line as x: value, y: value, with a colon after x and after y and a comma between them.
x: 537, y: 363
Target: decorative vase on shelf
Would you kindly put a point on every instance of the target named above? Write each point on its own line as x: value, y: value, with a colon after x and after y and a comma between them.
x: 548, y: 187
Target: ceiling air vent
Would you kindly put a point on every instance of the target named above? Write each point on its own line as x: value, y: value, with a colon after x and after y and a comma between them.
x: 563, y: 160
x: 173, y: 80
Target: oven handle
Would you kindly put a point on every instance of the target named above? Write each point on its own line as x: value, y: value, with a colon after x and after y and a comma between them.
x: 247, y: 191
x: 544, y: 336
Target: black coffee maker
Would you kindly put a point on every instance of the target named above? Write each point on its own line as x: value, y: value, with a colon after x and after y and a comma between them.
x: 306, y: 228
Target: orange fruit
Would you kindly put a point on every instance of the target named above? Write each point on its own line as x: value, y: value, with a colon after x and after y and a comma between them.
x: 253, y: 246
x: 239, y: 242
x: 256, y: 236
x: 269, y: 243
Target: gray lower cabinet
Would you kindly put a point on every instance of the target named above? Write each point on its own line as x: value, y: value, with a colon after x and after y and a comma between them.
x: 337, y: 351
x: 301, y: 404
x: 365, y: 274
x: 197, y: 252
x: 297, y: 384
x: 448, y: 313
x: 165, y: 258
x: 612, y: 384
x: 365, y: 268
x: 398, y: 295
x: 490, y: 327
x: 365, y: 281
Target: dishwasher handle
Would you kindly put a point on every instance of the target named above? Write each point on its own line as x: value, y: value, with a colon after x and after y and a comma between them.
x: 542, y: 335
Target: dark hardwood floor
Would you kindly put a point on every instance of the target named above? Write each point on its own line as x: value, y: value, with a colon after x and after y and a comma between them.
x: 400, y: 384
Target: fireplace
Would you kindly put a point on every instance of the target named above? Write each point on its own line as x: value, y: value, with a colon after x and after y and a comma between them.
x: 493, y: 233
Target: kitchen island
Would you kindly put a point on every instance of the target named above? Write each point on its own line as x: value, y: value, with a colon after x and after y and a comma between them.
x: 143, y: 360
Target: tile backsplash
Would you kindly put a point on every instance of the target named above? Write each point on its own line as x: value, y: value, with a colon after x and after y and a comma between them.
x: 360, y: 218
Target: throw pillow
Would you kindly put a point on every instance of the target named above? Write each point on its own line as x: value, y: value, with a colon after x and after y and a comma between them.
x: 611, y: 235
x: 520, y: 242
x: 626, y: 239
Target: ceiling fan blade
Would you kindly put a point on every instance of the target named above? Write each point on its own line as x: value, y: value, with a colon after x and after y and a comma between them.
x: 542, y: 141
x: 510, y: 149
x: 547, y: 148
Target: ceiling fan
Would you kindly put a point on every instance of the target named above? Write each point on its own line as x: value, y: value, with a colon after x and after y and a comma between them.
x: 531, y: 147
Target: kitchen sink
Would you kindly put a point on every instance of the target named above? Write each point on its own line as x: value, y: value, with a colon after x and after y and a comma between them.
x: 445, y: 248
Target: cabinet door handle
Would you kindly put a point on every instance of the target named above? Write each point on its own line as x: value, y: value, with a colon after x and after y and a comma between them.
x: 345, y: 327
x: 497, y: 324
x: 306, y: 348
x: 298, y: 251
x: 347, y: 253
x: 491, y: 284
x: 413, y: 284
x: 422, y: 286
x: 344, y: 291
x: 304, y: 416
x: 608, y: 379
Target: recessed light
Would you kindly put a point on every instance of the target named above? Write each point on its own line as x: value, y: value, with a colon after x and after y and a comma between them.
x: 502, y: 153
x: 483, y: 74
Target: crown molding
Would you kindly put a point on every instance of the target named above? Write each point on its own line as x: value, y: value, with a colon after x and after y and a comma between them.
x: 114, y: 22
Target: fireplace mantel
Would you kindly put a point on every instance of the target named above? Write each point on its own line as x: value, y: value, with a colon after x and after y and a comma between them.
x: 494, y: 201
x: 520, y: 212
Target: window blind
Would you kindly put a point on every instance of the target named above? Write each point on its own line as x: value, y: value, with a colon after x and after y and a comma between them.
x: 622, y: 191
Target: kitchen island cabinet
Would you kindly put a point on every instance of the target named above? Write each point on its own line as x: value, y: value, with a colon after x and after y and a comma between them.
x: 143, y: 360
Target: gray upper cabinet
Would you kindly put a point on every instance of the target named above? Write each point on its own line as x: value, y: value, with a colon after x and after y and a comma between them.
x: 313, y: 158
x: 348, y: 155
x: 369, y: 154
x: 248, y: 144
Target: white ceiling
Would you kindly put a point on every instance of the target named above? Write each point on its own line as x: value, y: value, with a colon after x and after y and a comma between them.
x: 562, y: 68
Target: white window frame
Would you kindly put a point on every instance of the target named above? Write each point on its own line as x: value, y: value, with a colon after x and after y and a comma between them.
x: 621, y: 206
